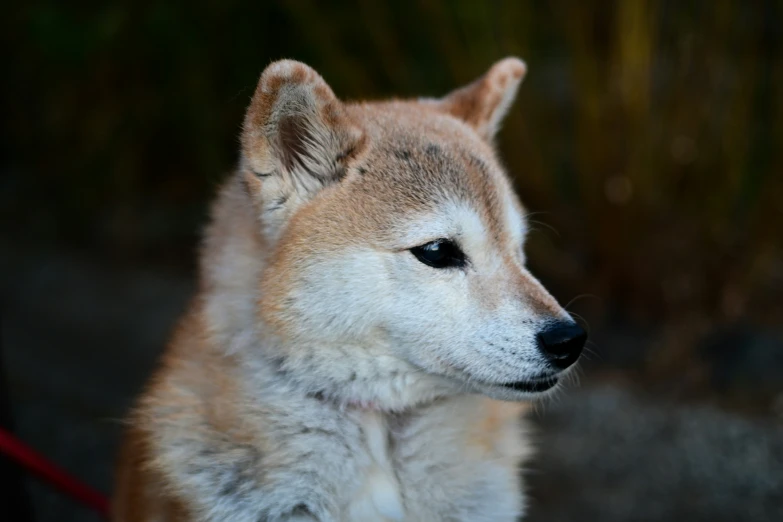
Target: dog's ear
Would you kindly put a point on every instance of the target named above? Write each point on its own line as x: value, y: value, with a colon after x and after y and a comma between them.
x: 297, y: 136
x: 483, y: 103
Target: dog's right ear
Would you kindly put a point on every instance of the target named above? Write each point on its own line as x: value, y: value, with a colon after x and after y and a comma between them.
x: 483, y: 104
x: 296, y: 138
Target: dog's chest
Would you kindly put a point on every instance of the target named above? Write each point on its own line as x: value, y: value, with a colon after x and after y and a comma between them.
x: 436, y: 466
x: 379, y: 497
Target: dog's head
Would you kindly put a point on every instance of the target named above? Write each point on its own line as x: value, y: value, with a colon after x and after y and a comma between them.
x: 396, y: 261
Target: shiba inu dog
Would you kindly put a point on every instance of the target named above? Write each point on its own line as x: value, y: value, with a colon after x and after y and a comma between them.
x: 366, y: 333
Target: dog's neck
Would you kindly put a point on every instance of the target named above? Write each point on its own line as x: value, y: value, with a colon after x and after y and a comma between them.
x: 348, y: 377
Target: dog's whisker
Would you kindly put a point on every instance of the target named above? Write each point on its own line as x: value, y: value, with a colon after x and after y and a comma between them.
x: 547, y: 225
x: 577, y: 298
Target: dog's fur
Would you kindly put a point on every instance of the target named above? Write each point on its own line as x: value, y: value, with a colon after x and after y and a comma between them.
x: 323, y: 372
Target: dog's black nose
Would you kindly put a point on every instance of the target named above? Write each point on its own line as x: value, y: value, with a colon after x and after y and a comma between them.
x: 562, y: 343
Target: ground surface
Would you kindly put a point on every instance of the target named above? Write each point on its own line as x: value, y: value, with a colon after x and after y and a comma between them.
x: 80, y: 338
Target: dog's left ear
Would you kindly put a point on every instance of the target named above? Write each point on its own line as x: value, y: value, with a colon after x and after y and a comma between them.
x: 483, y: 103
x: 297, y: 139
x: 296, y: 131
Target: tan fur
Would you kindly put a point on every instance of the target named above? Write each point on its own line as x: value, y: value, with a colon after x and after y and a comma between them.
x: 301, y: 385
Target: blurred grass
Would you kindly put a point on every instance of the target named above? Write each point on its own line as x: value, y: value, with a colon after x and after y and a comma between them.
x: 648, y: 134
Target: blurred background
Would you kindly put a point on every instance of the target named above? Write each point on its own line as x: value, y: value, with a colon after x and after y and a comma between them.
x: 647, y: 140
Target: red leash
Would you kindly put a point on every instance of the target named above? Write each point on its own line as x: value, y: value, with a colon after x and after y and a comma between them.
x: 44, y: 469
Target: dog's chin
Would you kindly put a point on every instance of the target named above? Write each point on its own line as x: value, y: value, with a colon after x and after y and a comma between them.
x: 535, y: 387
x: 526, y: 390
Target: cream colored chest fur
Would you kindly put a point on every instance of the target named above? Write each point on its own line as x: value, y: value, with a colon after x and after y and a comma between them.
x: 443, y: 464
x: 379, y: 497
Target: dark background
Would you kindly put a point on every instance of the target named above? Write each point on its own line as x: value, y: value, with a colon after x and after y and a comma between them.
x: 647, y: 139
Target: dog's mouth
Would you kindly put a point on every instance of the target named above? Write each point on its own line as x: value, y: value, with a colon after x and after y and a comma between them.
x: 532, y: 386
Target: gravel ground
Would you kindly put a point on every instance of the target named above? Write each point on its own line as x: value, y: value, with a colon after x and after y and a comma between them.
x: 80, y: 337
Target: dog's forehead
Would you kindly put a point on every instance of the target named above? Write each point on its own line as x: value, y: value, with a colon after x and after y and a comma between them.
x: 421, y: 160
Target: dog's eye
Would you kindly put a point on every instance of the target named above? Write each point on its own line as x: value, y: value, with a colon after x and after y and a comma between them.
x: 441, y: 253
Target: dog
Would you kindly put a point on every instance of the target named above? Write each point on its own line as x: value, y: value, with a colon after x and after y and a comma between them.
x: 366, y: 335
